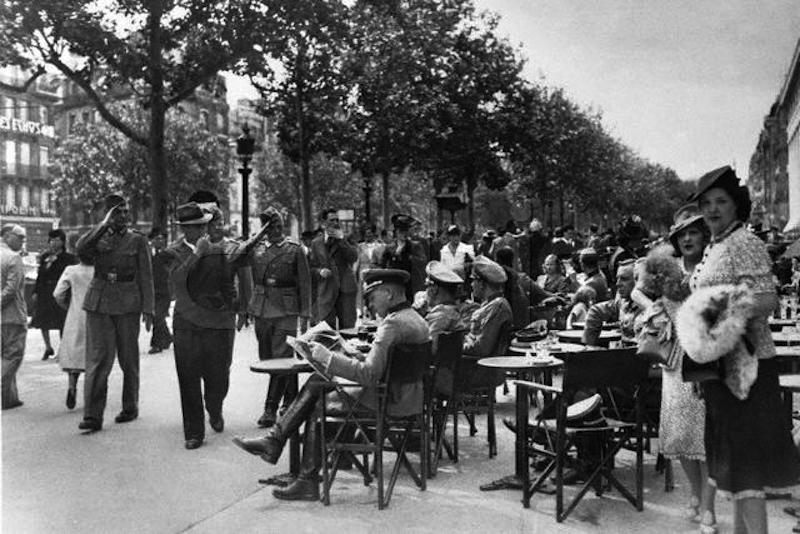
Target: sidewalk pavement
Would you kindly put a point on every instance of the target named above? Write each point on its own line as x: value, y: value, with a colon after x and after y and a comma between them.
x: 138, y: 478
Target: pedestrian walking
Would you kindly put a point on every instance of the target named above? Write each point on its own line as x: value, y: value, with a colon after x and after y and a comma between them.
x: 203, y: 323
x: 14, y: 313
x: 281, y: 303
x: 70, y: 293
x: 120, y: 292
x: 47, y: 314
x: 161, y: 338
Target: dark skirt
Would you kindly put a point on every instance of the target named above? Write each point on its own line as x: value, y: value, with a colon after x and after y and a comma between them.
x: 48, y: 315
x: 749, y: 446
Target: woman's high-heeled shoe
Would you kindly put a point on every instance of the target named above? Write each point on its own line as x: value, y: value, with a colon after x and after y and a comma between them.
x: 708, y: 523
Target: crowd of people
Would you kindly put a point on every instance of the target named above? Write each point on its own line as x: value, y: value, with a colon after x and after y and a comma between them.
x: 727, y: 432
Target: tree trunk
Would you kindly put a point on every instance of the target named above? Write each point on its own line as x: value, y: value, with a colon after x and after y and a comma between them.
x: 385, y: 192
x: 155, y: 146
x: 471, y: 204
x: 305, y: 175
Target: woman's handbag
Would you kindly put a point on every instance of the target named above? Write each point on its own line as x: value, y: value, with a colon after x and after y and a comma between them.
x: 701, y: 372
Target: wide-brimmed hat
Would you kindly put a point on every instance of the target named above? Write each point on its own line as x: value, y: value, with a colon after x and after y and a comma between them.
x: 453, y: 229
x: 724, y: 177
x: 685, y: 217
x: 192, y: 213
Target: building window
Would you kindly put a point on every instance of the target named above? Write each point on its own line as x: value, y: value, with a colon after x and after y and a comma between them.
x: 45, y: 200
x: 36, y: 197
x: 23, y: 110
x: 220, y: 122
x: 11, y: 157
x: 44, y: 156
x: 24, y: 154
x: 11, y: 200
x: 8, y: 107
x: 85, y: 117
x: 204, y: 118
x: 24, y: 200
x: 71, y: 123
x: 43, y: 115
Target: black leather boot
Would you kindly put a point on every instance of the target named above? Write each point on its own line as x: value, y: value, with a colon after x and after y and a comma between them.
x: 306, y: 486
x: 271, y: 445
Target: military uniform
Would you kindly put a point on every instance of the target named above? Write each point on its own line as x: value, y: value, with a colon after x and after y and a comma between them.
x: 121, y: 290
x: 281, y: 295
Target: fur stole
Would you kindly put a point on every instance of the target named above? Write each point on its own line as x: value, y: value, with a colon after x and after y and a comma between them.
x: 712, y: 324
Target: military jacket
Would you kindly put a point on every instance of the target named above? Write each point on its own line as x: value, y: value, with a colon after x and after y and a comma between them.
x: 281, y: 280
x: 485, y: 324
x: 123, y: 273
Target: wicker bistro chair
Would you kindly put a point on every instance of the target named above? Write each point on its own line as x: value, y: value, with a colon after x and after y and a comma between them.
x: 362, y: 431
x: 445, y: 375
x: 471, y: 399
x: 589, y: 370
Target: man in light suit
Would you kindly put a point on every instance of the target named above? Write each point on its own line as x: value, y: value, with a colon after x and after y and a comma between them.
x: 14, y: 311
x: 331, y: 261
x: 384, y: 290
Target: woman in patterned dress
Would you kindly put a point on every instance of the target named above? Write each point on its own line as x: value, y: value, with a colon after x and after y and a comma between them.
x: 682, y: 422
x: 749, y: 447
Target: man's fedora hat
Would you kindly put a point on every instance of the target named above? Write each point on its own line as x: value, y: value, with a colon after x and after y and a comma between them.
x: 192, y: 213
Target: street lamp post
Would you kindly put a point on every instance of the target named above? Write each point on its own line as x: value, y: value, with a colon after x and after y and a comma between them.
x: 245, y: 145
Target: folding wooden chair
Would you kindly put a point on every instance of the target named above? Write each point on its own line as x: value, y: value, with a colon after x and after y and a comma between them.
x: 445, y: 376
x: 362, y: 430
x: 471, y: 399
x: 589, y: 370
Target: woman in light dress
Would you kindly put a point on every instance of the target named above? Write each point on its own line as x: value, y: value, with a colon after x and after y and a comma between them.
x: 69, y: 294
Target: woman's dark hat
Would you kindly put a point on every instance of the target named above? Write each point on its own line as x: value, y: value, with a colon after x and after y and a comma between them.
x: 192, y: 213
x: 685, y: 217
x: 631, y: 228
x: 724, y: 177
x: 403, y: 222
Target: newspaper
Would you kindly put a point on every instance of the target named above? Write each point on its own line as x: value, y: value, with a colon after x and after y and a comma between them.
x: 320, y: 340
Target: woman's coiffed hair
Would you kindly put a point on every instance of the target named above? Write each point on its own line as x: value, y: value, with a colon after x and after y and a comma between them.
x: 661, y: 274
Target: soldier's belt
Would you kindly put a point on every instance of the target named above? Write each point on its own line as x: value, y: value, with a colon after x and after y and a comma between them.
x: 276, y: 284
x: 115, y: 278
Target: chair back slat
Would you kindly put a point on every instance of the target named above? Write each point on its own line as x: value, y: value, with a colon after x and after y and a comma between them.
x: 603, y: 369
x: 408, y: 363
x: 448, y: 350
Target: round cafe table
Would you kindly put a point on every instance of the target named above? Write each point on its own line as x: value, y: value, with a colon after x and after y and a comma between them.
x: 290, y: 367
x: 525, y: 347
x: 606, y: 336
x: 524, y: 366
x: 580, y: 325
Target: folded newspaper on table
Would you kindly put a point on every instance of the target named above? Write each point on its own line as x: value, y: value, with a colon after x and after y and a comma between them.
x: 320, y: 338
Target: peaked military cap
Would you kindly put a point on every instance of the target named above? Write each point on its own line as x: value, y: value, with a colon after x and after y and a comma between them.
x: 402, y: 221
x: 441, y: 274
x: 374, y: 278
x: 488, y: 270
x: 271, y: 216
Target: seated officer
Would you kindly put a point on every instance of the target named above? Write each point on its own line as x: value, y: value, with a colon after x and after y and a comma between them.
x: 488, y: 280
x: 621, y: 309
x: 385, y: 291
x: 442, y: 286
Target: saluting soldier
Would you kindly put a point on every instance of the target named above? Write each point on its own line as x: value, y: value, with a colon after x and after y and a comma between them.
x: 121, y: 291
x: 281, y: 301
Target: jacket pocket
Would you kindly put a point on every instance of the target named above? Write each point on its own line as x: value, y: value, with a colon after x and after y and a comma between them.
x: 290, y: 302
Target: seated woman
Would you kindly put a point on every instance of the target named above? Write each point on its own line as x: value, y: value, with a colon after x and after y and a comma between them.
x: 582, y: 300
x: 554, y: 279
